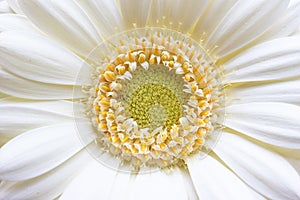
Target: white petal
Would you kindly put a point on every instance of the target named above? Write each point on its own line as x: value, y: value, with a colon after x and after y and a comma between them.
x: 65, y: 22
x: 243, y: 23
x: 4, y: 7
x: 135, y: 12
x: 36, y: 58
x: 49, y: 185
x: 293, y: 2
x: 23, y: 116
x: 94, y: 182
x: 106, y: 183
x: 265, y: 171
x: 273, y: 123
x: 212, y: 16
x: 176, y: 14
x: 189, y: 185
x: 286, y: 25
x: 104, y: 14
x: 295, y: 163
x: 159, y: 185
x: 272, y: 60
x: 285, y: 91
x: 38, y: 151
x: 23, y: 88
x: 14, y: 22
x: 15, y: 6
x: 159, y: 13
x: 214, y: 181
x: 291, y: 155
x: 185, y: 14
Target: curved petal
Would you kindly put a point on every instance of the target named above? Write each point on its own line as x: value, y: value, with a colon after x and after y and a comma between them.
x: 49, y: 185
x: 15, y: 6
x: 23, y: 88
x: 272, y: 60
x: 15, y: 22
x: 233, y: 33
x: 291, y: 155
x: 286, y: 25
x: 36, y: 58
x: 65, y: 22
x: 159, y: 13
x: 285, y: 91
x: 104, y: 15
x: 105, y: 183
x: 211, y: 17
x: 265, y: 171
x: 135, y: 12
x: 176, y: 14
x: 211, y: 178
x: 4, y: 7
x: 164, y: 185
x: 38, y: 151
x: 100, y: 180
x: 295, y: 163
x: 293, y: 2
x: 273, y: 123
x: 16, y: 118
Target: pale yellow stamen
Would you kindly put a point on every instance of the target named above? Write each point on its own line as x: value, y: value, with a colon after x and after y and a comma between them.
x: 155, y: 104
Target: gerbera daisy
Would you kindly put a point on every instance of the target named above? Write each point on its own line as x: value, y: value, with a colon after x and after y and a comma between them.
x: 141, y: 99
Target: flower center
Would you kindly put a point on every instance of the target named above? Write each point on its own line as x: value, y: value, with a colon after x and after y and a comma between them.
x: 154, y: 105
x: 155, y: 98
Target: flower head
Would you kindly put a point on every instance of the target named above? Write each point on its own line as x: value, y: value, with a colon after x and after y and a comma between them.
x: 135, y: 99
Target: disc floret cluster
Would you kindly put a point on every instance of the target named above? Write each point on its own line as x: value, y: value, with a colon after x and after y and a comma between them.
x: 154, y: 102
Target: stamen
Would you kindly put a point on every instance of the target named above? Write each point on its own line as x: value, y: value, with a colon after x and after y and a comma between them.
x: 153, y: 104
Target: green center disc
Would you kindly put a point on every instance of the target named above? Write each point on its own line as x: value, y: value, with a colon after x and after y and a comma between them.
x: 154, y: 97
x: 153, y: 105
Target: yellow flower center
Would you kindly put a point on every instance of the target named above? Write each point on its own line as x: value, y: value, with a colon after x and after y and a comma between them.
x: 155, y: 98
x: 154, y: 105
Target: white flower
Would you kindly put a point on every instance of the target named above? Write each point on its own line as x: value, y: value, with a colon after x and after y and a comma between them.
x: 140, y: 99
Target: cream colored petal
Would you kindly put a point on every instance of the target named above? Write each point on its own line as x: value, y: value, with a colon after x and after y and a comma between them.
x: 286, y: 25
x: 94, y: 182
x: 14, y: 5
x: 100, y: 182
x: 265, y: 171
x: 159, y: 13
x: 291, y: 155
x: 15, y: 22
x: 284, y: 91
x: 245, y: 21
x: 49, y: 185
x: 273, y: 123
x: 214, y: 181
x: 135, y: 12
x: 23, y: 88
x: 20, y: 116
x: 272, y: 60
x: 162, y: 185
x: 63, y: 21
x: 105, y: 16
x: 38, y: 151
x: 211, y: 17
x: 4, y: 7
x: 36, y: 58
x: 180, y: 15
